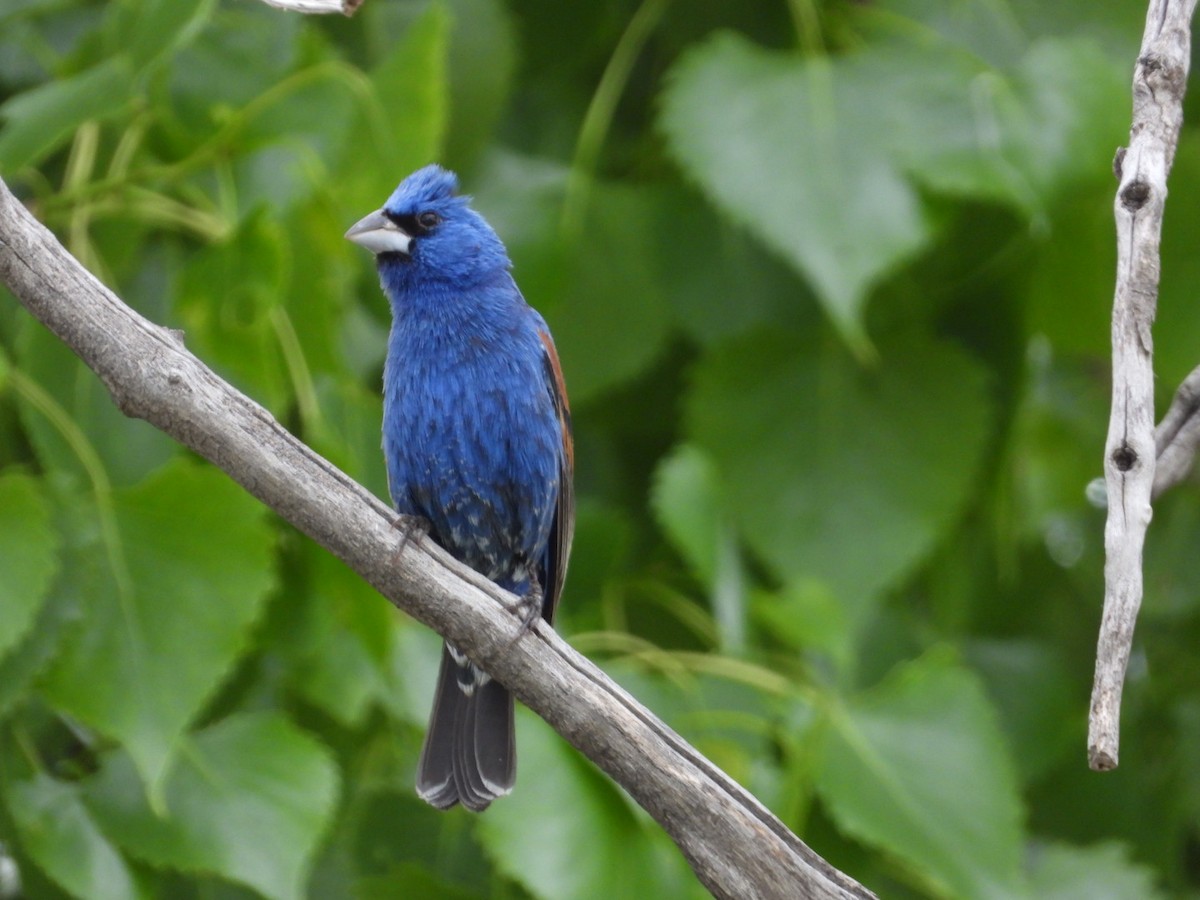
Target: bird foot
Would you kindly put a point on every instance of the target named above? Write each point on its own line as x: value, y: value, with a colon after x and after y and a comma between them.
x: 412, y: 530
x: 529, y: 609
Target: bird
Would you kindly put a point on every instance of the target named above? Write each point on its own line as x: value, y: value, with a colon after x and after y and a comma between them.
x: 478, y: 447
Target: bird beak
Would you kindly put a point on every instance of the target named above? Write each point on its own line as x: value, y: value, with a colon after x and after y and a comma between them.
x: 379, y: 234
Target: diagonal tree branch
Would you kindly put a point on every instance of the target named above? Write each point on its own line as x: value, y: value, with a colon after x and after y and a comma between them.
x: 1159, y: 82
x: 737, y: 847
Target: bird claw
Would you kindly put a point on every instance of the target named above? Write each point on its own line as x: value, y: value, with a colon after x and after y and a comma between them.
x: 412, y: 529
x: 528, y: 608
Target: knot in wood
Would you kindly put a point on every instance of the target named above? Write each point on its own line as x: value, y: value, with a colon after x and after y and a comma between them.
x: 1160, y: 70
x: 1150, y: 63
x: 1135, y: 194
x: 1124, y: 458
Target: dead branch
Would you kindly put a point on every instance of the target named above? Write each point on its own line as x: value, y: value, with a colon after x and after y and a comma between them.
x: 737, y: 847
x: 1159, y: 82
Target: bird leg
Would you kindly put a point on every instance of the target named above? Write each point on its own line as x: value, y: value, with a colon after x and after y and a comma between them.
x: 528, y: 607
x: 412, y: 529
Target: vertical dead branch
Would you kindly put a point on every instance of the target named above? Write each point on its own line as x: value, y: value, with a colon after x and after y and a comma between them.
x: 1159, y: 82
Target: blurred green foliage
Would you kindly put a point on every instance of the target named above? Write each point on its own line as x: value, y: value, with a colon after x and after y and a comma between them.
x: 830, y: 282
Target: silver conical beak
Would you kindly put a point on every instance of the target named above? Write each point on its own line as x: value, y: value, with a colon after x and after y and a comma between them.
x: 379, y: 234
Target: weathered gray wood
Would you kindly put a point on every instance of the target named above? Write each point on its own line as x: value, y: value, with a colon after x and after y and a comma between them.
x: 317, y: 7
x: 1159, y: 82
x: 737, y: 848
x: 1178, y: 435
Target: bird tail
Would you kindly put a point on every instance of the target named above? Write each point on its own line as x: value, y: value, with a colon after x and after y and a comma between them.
x: 470, y: 753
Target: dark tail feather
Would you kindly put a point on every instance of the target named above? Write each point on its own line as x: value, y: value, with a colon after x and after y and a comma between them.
x: 470, y: 753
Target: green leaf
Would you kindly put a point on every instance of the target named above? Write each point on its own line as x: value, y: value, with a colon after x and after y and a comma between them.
x: 1017, y: 135
x: 608, y: 533
x: 409, y: 880
x: 986, y: 28
x: 404, y: 119
x: 1060, y: 872
x: 1117, y: 25
x: 245, y: 50
x: 1172, y: 582
x: 412, y: 673
x: 721, y: 282
x: 807, y: 616
x: 40, y: 120
x: 28, y: 659
x: 411, y: 87
x: 229, y: 298
x: 1068, y: 278
x: 687, y: 501
x: 612, y: 322
x: 438, y: 855
x: 73, y: 419
x: 188, y: 569
x: 1032, y: 690
x: 522, y: 197
x: 564, y: 826
x: 18, y: 9
x: 917, y: 766
x: 347, y: 431
x: 830, y: 184
x: 61, y: 614
x: 1068, y: 108
x: 249, y: 799
x: 319, y: 292
x: 149, y: 30
x: 60, y: 834
x: 481, y: 64
x: 812, y: 183
x: 28, y: 556
x: 731, y: 711
x: 340, y: 638
x: 1058, y: 433
x: 836, y: 474
x: 310, y: 112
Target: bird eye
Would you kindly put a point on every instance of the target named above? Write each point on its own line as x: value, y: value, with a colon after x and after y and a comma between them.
x: 428, y: 219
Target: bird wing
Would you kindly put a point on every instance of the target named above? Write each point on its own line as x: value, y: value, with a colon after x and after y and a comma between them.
x: 562, y: 530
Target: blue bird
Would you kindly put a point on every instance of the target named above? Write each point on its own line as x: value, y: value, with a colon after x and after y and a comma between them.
x: 477, y: 441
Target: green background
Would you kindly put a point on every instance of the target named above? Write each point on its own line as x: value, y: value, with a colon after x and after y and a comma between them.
x: 830, y: 282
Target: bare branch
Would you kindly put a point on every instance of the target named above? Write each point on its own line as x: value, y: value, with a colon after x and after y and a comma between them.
x: 1159, y: 82
x: 736, y: 846
x: 317, y: 7
x: 1178, y: 435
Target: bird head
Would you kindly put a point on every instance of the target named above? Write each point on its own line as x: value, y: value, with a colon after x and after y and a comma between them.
x: 427, y: 230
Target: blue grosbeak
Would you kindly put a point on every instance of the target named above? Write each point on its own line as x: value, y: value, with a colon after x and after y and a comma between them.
x: 477, y: 441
